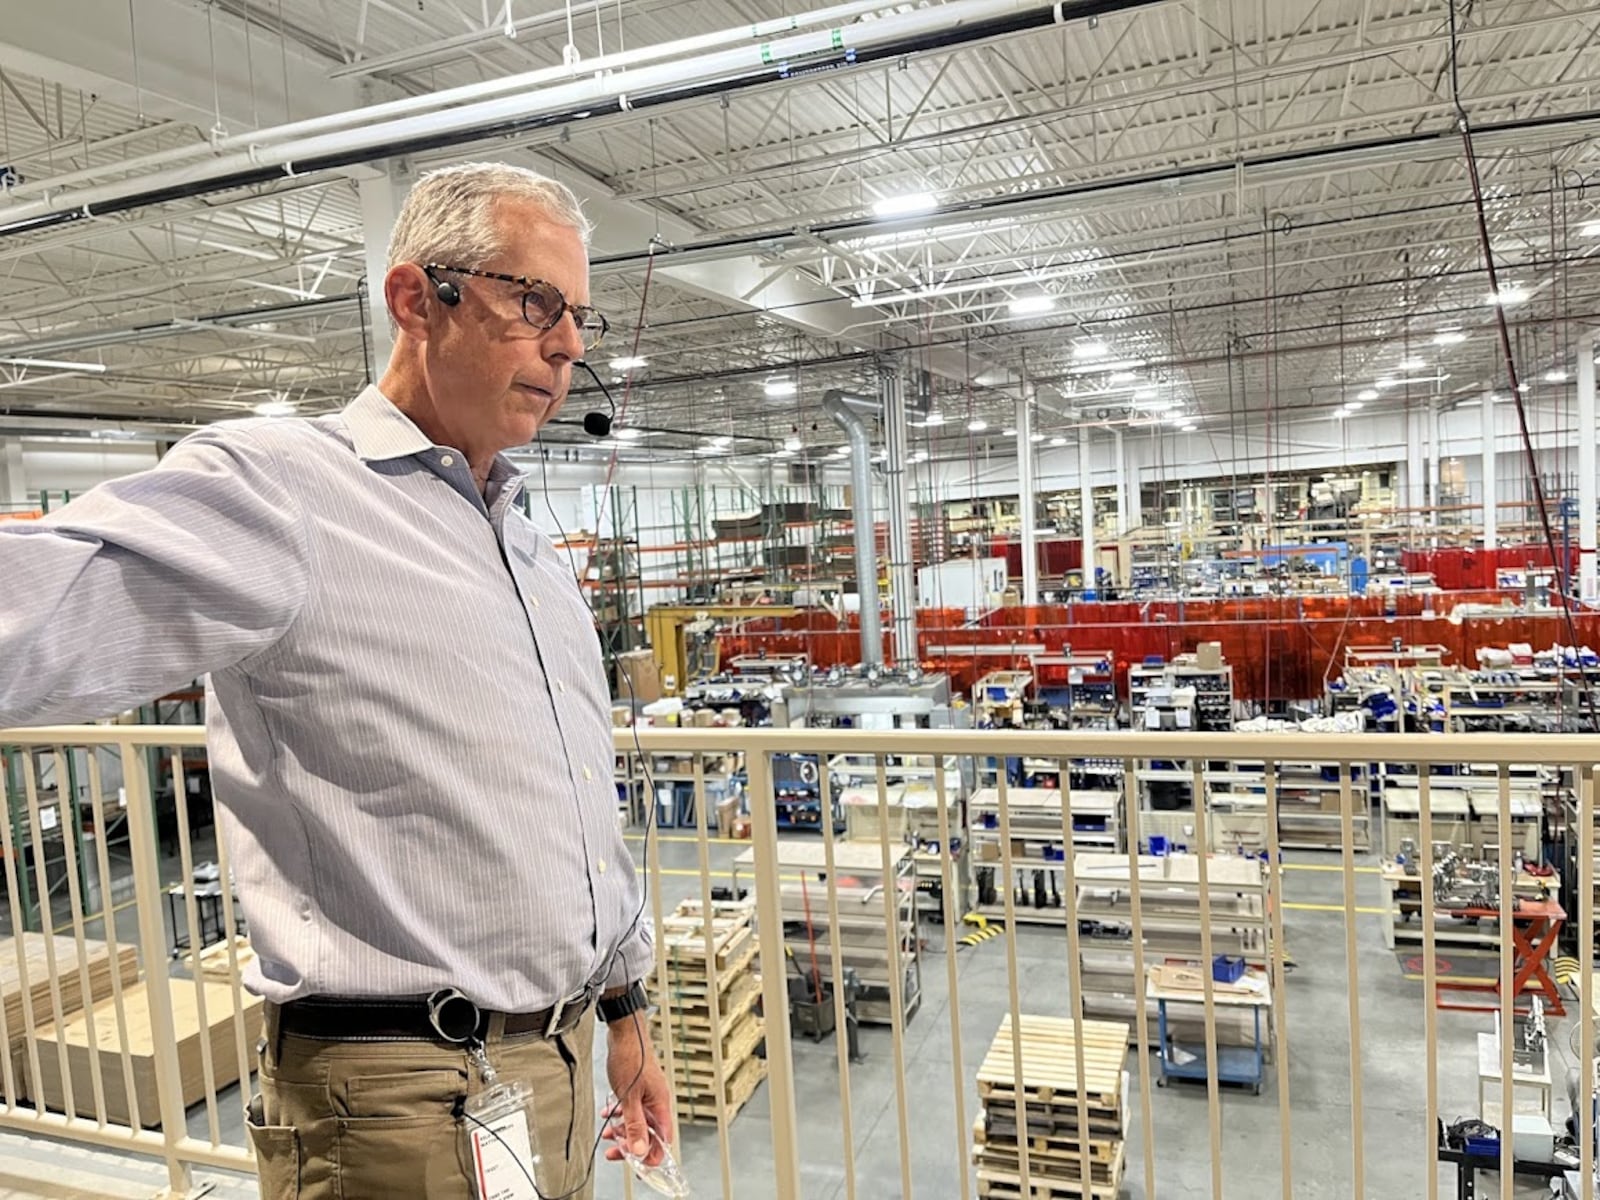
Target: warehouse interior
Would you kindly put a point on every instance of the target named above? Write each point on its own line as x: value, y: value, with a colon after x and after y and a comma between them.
x: 1070, y: 399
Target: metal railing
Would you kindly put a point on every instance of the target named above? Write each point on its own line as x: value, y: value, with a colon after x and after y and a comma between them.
x: 851, y: 917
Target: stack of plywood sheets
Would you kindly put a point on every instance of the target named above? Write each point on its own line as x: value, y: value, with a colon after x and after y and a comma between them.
x: 83, y: 1047
x: 1057, y: 1148
x: 35, y: 953
x: 683, y: 999
x: 214, y: 959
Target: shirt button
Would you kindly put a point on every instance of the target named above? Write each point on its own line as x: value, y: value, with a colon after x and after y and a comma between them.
x: 588, y: 774
x: 561, y: 686
x: 447, y: 460
x: 533, y: 600
x: 600, y: 865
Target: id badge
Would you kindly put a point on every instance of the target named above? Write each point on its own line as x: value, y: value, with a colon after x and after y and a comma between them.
x: 504, y: 1166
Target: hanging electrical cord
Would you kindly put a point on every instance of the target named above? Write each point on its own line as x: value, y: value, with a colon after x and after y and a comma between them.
x: 1562, y: 571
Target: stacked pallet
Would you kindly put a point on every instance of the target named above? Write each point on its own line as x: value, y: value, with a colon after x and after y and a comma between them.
x: 683, y: 999
x: 1056, y: 1146
x: 35, y: 951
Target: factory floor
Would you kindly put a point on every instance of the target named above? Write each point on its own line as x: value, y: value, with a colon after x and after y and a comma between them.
x: 1396, y: 1146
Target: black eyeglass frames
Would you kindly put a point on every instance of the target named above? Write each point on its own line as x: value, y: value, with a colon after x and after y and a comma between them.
x: 542, y: 303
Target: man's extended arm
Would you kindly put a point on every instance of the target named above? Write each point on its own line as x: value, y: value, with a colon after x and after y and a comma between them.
x: 148, y: 581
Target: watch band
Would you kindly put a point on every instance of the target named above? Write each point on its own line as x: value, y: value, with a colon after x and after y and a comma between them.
x: 631, y: 1001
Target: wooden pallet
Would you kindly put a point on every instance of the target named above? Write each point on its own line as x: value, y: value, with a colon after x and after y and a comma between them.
x: 686, y: 981
x: 700, y: 1066
x: 699, y: 1108
x: 1002, y: 1141
x: 1049, y: 1071
x: 999, y: 1184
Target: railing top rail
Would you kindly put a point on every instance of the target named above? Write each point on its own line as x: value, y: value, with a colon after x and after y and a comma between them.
x: 1432, y: 748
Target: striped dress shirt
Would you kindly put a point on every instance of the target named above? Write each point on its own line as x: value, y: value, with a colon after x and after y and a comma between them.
x: 408, y: 725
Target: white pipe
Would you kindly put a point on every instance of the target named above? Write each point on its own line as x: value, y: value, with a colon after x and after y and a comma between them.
x: 1030, y: 532
x: 1587, y: 584
x: 838, y: 405
x: 1491, y: 495
x: 1086, y: 508
x: 1121, y: 474
x: 606, y: 90
x: 466, y: 93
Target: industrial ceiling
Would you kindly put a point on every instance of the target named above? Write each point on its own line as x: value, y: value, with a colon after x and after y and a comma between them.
x: 1213, y: 212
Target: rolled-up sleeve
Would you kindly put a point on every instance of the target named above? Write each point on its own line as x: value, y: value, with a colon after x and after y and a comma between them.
x: 147, y: 582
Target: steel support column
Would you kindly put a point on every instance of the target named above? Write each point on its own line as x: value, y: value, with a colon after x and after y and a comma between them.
x: 902, y: 582
x: 1491, y: 493
x: 1086, y: 507
x: 1587, y: 585
x: 1025, y: 487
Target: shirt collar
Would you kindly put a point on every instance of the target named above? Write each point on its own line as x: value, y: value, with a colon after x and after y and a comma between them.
x: 379, y: 430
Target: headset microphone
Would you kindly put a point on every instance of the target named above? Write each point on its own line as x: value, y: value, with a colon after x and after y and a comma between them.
x: 597, y: 424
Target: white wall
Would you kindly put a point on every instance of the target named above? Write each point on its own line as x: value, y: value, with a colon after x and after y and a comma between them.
x: 58, y: 465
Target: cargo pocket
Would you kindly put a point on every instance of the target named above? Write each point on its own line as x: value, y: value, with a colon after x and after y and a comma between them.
x: 398, y: 1135
x: 277, y: 1150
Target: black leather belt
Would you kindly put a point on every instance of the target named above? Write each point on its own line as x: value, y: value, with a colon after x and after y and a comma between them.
x: 423, y: 1019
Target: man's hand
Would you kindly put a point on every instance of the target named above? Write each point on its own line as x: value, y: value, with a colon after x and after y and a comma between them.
x: 636, y: 1079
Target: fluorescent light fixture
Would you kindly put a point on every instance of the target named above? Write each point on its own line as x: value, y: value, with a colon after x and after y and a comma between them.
x: 56, y: 364
x: 1186, y: 428
x: 1144, y: 395
x: 791, y: 443
x: 920, y: 456
x: 1008, y: 432
x: 1510, y: 293
x: 905, y: 204
x: 630, y: 434
x: 1058, y: 440
x: 784, y: 453
x: 1524, y: 386
x: 1341, y: 413
x: 1083, y: 350
x: 842, y: 451
x: 1038, y: 437
x: 934, y: 418
x: 710, y: 450
x: 1555, y: 375
x: 1591, y: 229
x: 1449, y: 337
x: 1353, y: 405
x: 977, y: 425
x: 274, y: 408
x: 1118, y: 378
x: 780, y: 387
x: 1412, y: 364
x: 1032, y: 306
x: 630, y: 363
x: 1100, y: 366
x: 1385, y: 383
x: 721, y: 439
x: 1367, y: 394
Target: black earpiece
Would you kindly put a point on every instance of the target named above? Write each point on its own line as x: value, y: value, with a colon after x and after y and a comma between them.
x: 598, y: 424
x: 449, y: 294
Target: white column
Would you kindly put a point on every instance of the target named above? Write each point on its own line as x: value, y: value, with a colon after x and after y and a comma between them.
x: 1030, y: 532
x: 1587, y: 433
x: 1128, y: 468
x: 13, y: 487
x: 381, y: 197
x: 1491, y: 494
x: 1434, y: 459
x: 1416, y: 473
x: 1121, y: 477
x: 1086, y: 506
x: 902, y: 579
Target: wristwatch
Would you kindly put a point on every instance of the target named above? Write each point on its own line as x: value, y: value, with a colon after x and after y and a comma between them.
x: 631, y: 1001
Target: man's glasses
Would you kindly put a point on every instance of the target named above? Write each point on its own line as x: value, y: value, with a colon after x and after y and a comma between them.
x: 542, y: 303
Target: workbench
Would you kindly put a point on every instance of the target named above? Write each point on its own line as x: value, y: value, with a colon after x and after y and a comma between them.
x: 1235, y: 1064
x: 1535, y: 927
x: 1403, y: 902
x: 1522, y: 1080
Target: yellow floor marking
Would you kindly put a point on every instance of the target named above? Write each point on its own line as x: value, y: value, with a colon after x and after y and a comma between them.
x: 1338, y: 908
x: 1327, y: 867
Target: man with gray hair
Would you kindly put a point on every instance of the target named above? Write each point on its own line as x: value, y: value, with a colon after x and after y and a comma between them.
x: 409, y: 730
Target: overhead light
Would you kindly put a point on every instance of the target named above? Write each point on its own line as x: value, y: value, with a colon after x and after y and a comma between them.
x: 920, y: 456
x: 1353, y: 405
x: 56, y: 364
x: 1084, y: 350
x: 1186, y: 428
x: 721, y: 439
x: 977, y: 425
x: 1385, y: 383
x: 791, y: 443
x: 1038, y: 437
x: 780, y: 387
x: 1555, y: 375
x: 631, y: 362
x: 1524, y: 386
x: 784, y: 453
x: 1058, y: 440
x: 1008, y: 432
x: 630, y: 434
x: 934, y: 418
x: 1122, y: 377
x: 1510, y: 293
x: 842, y: 451
x: 1449, y: 337
x: 1367, y: 394
x: 709, y: 449
x: 1412, y: 364
x: 905, y: 204
x: 1144, y: 395
x: 1097, y: 366
x: 1592, y: 229
x: 1340, y: 413
x: 1032, y: 306
x: 274, y: 408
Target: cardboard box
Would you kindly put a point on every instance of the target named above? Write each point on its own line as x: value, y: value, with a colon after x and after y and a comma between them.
x: 1208, y: 656
x: 643, y: 680
x: 727, y: 813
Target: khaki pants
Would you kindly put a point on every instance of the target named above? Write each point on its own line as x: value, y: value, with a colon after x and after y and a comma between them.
x: 375, y: 1120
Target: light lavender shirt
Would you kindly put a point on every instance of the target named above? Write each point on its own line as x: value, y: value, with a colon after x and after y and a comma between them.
x: 409, y: 728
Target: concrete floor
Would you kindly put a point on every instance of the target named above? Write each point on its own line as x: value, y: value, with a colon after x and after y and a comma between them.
x: 1396, y: 1146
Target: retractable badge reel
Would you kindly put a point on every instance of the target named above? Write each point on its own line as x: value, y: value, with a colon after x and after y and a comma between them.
x: 507, y: 1163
